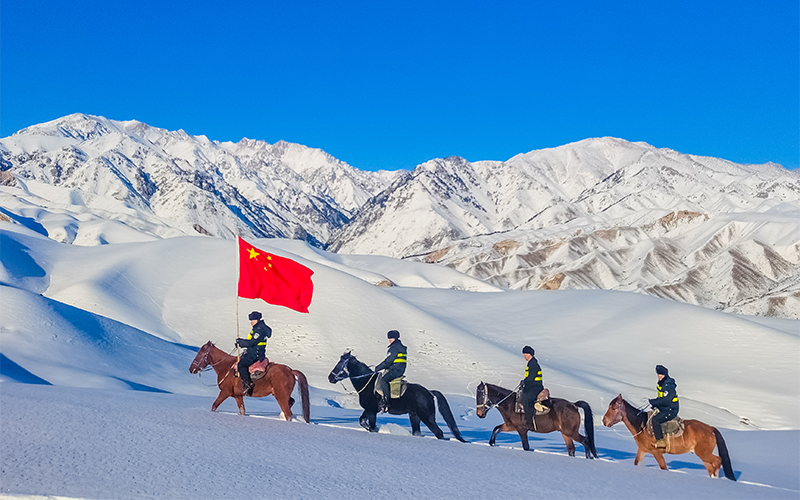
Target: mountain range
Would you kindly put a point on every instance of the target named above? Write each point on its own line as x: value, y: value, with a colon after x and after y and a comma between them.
x: 599, y: 213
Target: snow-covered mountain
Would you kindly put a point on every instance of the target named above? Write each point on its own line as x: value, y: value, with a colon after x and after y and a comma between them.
x: 164, y: 183
x: 599, y: 213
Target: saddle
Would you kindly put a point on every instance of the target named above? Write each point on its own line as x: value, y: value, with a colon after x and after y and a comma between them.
x: 397, y: 388
x: 537, y: 406
x: 671, y: 428
x: 259, y: 369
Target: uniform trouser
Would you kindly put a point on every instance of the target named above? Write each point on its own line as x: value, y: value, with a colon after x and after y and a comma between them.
x: 528, y: 400
x: 663, y: 415
x: 248, y: 358
x: 385, y: 379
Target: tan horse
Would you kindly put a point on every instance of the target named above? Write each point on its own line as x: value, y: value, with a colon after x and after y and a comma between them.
x: 698, y: 438
x: 279, y: 381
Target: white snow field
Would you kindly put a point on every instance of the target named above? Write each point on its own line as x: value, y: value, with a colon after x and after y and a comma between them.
x: 96, y: 400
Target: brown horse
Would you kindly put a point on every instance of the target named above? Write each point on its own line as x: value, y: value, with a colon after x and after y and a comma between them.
x: 697, y: 437
x: 279, y: 381
x: 563, y: 416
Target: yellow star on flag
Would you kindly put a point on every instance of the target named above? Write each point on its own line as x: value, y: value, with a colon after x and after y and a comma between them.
x: 253, y: 253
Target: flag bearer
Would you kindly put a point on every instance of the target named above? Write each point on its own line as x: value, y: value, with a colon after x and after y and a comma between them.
x: 255, y: 349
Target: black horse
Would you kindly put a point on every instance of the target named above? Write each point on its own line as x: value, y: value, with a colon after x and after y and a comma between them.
x: 417, y: 400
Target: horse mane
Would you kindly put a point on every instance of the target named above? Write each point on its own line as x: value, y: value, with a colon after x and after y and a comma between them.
x: 502, y: 390
x: 635, y: 416
x: 363, y: 367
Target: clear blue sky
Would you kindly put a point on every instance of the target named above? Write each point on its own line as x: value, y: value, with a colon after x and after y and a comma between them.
x: 393, y: 84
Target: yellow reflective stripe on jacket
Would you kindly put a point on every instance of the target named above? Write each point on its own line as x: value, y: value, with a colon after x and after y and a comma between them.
x: 400, y: 358
x: 538, y: 378
x: 661, y: 394
x: 250, y: 337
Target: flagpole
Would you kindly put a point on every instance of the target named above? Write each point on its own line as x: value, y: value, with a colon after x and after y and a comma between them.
x: 238, y: 265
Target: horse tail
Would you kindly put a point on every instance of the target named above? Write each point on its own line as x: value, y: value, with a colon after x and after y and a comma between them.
x: 723, y: 454
x: 588, y: 427
x: 444, y: 409
x: 304, y: 395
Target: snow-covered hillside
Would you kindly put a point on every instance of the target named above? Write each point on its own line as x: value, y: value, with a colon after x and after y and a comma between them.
x: 97, y: 400
x: 597, y: 214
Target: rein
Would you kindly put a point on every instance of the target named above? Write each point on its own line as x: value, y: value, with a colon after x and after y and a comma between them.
x: 210, y: 366
x: 493, y: 405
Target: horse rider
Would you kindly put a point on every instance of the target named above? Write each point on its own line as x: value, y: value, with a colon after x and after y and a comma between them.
x: 666, y: 403
x: 394, y: 364
x: 532, y: 383
x: 255, y: 349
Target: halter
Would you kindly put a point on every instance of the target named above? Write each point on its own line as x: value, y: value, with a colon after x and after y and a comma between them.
x: 486, y: 404
x: 346, y: 373
x: 210, y: 366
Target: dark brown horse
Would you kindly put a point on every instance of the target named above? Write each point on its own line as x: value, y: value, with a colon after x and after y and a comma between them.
x: 279, y: 381
x: 563, y: 416
x: 697, y: 437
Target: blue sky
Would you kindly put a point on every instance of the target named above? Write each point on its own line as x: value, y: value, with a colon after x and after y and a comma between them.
x: 391, y: 85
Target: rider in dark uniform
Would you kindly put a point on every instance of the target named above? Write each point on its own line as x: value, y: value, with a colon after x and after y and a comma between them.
x: 532, y: 383
x: 395, y: 365
x: 666, y: 403
x: 255, y: 349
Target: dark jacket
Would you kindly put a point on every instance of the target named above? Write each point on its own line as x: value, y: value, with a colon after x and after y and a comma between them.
x: 395, y: 362
x: 257, y: 339
x: 667, y: 395
x: 532, y: 383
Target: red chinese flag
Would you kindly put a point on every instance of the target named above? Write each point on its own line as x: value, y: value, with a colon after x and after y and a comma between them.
x: 275, y: 280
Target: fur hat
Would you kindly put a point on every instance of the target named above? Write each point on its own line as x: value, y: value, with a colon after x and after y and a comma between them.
x: 662, y: 370
x: 393, y: 334
x: 528, y: 350
x: 254, y: 315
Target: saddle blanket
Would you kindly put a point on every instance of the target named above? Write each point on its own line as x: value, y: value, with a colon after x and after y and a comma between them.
x: 397, y: 387
x: 259, y: 369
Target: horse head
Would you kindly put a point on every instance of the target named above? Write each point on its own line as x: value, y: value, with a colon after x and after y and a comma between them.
x: 482, y: 403
x: 615, y: 412
x: 201, y: 360
x: 340, y: 371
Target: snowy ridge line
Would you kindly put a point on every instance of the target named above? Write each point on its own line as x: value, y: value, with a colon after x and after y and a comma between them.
x: 602, y: 213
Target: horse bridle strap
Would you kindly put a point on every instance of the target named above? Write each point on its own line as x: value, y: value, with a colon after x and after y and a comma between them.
x: 486, y: 398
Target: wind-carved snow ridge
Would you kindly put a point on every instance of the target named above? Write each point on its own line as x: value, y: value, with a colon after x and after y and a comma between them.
x: 599, y: 213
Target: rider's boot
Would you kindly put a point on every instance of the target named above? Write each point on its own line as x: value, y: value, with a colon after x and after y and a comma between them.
x: 661, y: 443
x: 247, y: 389
x: 383, y: 404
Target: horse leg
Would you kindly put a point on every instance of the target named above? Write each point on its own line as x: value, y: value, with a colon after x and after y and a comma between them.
x: 659, y: 455
x: 415, y: 420
x: 639, y: 457
x: 222, y: 397
x: 570, y: 444
x: 523, y: 436
x: 367, y: 421
x: 497, y: 430
x: 711, y: 462
x: 240, y: 403
x: 430, y: 421
x: 283, y: 401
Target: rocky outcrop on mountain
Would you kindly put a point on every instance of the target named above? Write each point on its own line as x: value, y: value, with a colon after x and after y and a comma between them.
x: 600, y: 213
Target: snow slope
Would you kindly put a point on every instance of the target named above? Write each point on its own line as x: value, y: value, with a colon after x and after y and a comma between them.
x: 97, y: 401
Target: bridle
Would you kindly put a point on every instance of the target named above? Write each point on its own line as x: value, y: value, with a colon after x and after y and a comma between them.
x: 486, y: 403
x: 344, y: 373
